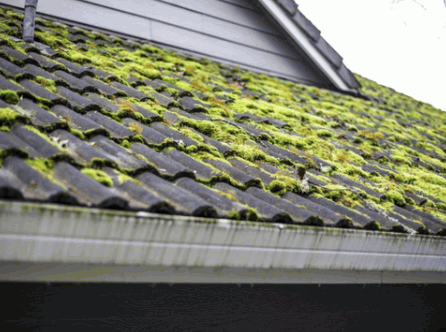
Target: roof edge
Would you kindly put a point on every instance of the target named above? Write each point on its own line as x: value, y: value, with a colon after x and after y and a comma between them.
x: 308, y: 37
x: 37, y: 234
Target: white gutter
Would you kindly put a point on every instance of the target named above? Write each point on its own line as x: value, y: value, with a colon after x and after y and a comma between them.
x: 55, y: 243
x: 302, y: 40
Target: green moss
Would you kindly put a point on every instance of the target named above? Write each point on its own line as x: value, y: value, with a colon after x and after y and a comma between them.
x: 290, y: 184
x: 125, y: 144
x: 373, y: 226
x: 98, y: 163
x: 48, y: 84
x: 250, y: 214
x: 12, y: 152
x: 252, y: 153
x: 277, y: 187
x: 96, y: 132
x: 234, y: 215
x: 44, y: 136
x: 50, y: 39
x: 77, y: 133
x: 398, y: 229
x: 98, y: 176
x: 45, y: 167
x: 395, y: 197
x: 9, y: 96
x: 8, y: 117
x: 324, y: 133
x: 129, y: 113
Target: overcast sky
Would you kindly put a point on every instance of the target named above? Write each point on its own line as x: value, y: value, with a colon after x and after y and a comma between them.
x: 398, y: 43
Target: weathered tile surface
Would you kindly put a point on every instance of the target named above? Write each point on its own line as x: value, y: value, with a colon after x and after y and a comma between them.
x: 125, y: 125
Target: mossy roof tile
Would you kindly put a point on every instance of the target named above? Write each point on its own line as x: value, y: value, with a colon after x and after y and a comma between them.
x: 35, y: 185
x: 115, y: 128
x: 87, y: 190
x: 82, y: 151
x: 74, y: 120
x: 165, y: 166
x: 46, y: 63
x: 37, y: 115
x: 35, y: 71
x: 299, y: 215
x: 223, y: 205
x: 267, y: 212
x: 9, y: 68
x: 38, y: 141
x: 6, y: 84
x: 149, y: 117
x: 79, y: 103
x: 184, y: 201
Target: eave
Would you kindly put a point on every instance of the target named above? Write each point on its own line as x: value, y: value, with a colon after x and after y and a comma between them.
x: 59, y: 243
x: 283, y: 16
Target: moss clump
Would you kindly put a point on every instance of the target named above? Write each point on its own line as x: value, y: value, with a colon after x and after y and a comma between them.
x: 125, y: 144
x: 98, y: 176
x: 8, y: 117
x: 250, y: 214
x: 77, y: 133
x: 234, y: 215
x: 373, y: 226
x: 396, y: 197
x: 95, y: 132
x: 290, y: 184
x: 16, y: 152
x: 98, y: 163
x: 136, y: 127
x: 49, y: 84
x: 398, y: 229
x: 324, y: 133
x: 44, y: 166
x: 277, y: 187
x: 130, y: 113
x: 9, y: 96
x: 252, y: 153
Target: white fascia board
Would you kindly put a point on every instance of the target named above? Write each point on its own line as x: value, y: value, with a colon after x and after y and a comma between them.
x: 59, y: 243
x: 302, y: 40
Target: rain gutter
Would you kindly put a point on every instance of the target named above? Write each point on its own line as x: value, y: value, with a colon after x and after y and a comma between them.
x: 46, y: 243
x: 302, y: 40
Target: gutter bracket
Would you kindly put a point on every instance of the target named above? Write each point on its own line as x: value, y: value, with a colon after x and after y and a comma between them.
x: 29, y: 20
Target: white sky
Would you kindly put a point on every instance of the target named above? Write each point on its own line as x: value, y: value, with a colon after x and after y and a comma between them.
x: 398, y: 43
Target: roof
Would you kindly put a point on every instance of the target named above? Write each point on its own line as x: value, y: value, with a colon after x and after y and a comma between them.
x: 90, y: 119
x: 308, y: 36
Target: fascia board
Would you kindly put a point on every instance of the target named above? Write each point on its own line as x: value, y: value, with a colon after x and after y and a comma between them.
x: 302, y: 40
x: 39, y: 234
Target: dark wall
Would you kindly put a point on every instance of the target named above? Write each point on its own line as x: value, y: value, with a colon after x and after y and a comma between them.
x: 181, y: 307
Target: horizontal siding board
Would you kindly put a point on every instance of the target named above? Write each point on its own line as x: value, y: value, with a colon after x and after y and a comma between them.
x: 190, y: 40
x: 153, y: 10
x: 248, y: 37
x: 228, y: 12
x: 243, y: 3
x: 14, y: 3
x: 177, y: 16
x: 105, y: 18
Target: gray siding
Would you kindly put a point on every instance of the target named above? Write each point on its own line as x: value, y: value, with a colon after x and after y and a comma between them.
x: 233, y: 31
